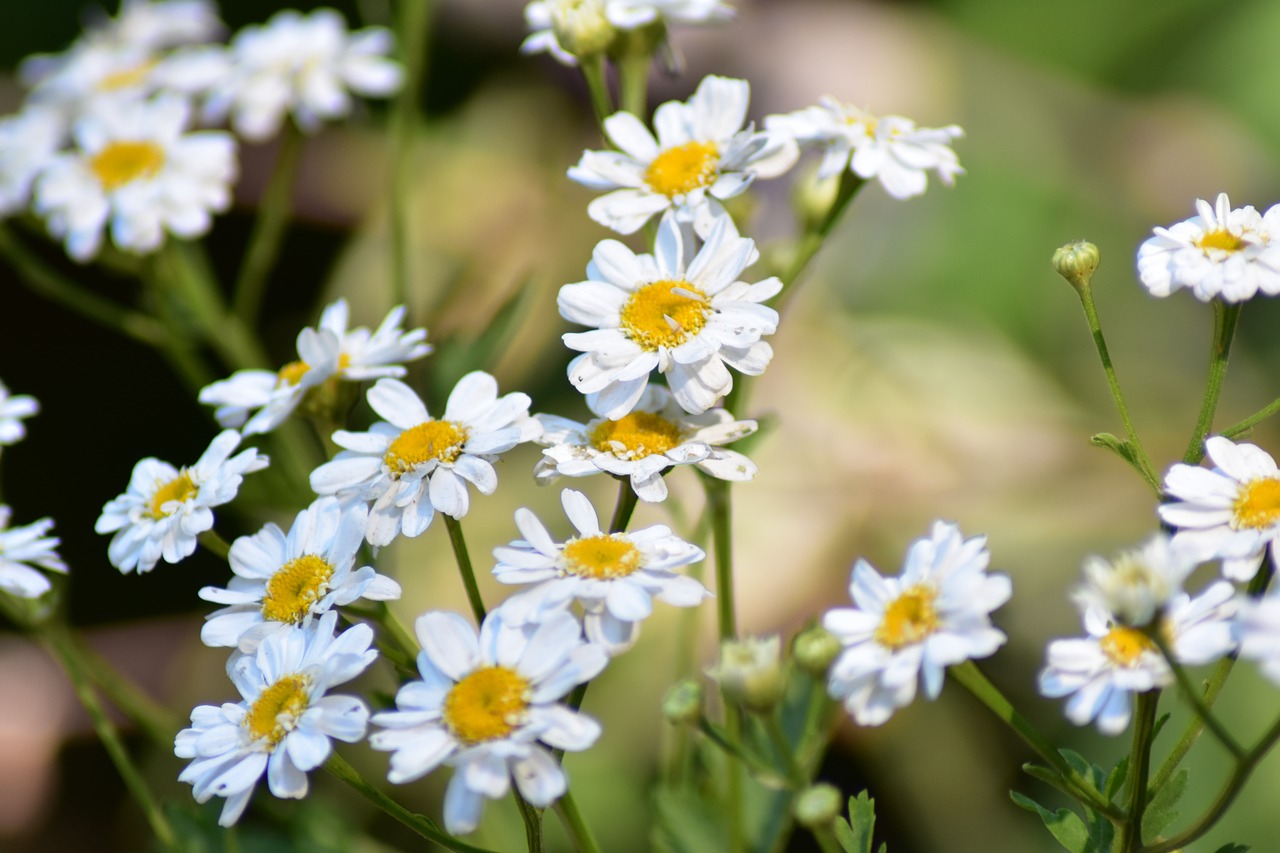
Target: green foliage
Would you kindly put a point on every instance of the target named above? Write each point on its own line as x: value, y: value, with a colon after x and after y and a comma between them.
x: 685, y: 823
x: 1160, y: 811
x: 1064, y: 825
x: 1233, y: 848
x: 854, y: 834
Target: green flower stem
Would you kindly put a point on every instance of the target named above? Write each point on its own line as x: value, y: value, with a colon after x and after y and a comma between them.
x: 1242, y: 427
x: 46, y: 282
x: 392, y: 640
x: 211, y: 541
x: 1139, y: 768
x: 593, y: 72
x: 624, y: 507
x: 720, y: 508
x: 532, y: 822
x: 1189, y: 692
x: 786, y: 753
x: 424, y: 826
x: 269, y: 228
x: 59, y: 645
x: 1225, y: 319
x: 464, y: 567
x: 633, y: 83
x: 826, y: 838
x: 817, y: 725
x: 968, y: 676
x: 733, y: 779
x: 577, y: 828
x: 413, y: 30
x: 193, y: 282
x: 734, y: 751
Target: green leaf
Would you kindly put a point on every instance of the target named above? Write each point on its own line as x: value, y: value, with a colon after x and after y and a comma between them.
x: 684, y: 823
x: 1064, y: 824
x: 1116, y: 779
x: 1232, y: 848
x: 1160, y: 721
x: 1119, y: 447
x: 1161, y: 810
x: 854, y: 834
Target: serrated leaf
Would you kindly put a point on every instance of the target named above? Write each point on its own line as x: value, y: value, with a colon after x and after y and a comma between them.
x: 1116, y: 779
x: 1162, y: 811
x: 1064, y: 825
x: 854, y: 835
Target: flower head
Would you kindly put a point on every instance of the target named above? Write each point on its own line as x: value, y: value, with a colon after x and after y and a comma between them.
x: 28, y: 142
x: 284, y: 722
x: 487, y: 707
x: 750, y: 671
x: 910, y: 628
x: 24, y: 547
x: 1136, y: 585
x: 14, y: 409
x: 165, y: 508
x: 547, y: 22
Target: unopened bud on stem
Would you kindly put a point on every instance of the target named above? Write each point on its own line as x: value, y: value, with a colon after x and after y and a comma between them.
x: 1076, y: 262
x: 581, y: 27
x: 683, y: 703
x: 818, y: 805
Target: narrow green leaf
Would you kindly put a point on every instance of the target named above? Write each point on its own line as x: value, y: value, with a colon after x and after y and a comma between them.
x: 1162, y: 811
x: 1116, y: 779
x: 1119, y: 447
x: 1044, y: 774
x: 1233, y: 848
x: 1064, y: 825
x: 855, y: 835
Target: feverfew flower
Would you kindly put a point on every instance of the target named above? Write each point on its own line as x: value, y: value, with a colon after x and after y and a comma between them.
x: 702, y: 156
x: 488, y: 708
x: 24, y: 547
x: 165, y: 508
x: 14, y: 409
x: 137, y: 170
x: 644, y: 444
x: 305, y: 65
x: 28, y: 142
x: 282, y: 581
x: 615, y: 576
x: 1220, y: 252
x: 1135, y: 586
x: 1258, y: 628
x: 690, y: 318
x: 910, y: 628
x: 284, y: 721
x: 1230, y: 513
x: 541, y: 18
x: 411, y: 464
x: 750, y: 672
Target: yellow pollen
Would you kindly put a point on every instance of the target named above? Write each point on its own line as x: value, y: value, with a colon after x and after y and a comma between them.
x: 295, y: 587
x: 681, y: 170
x: 635, y: 436
x: 180, y: 489
x: 292, y: 373
x: 655, y: 316
x: 344, y: 361
x: 286, y: 698
x: 438, y: 440
x: 126, y: 77
x: 1222, y: 239
x: 604, y: 557
x: 487, y: 704
x: 909, y: 618
x: 1124, y: 645
x: 121, y: 163
x: 1257, y: 505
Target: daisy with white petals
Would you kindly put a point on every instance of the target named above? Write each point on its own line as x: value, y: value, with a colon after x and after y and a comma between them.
x: 702, y: 156
x: 166, y: 508
x: 1220, y: 252
x: 1258, y: 629
x: 644, y: 445
x: 487, y: 707
x: 410, y: 464
x: 28, y: 142
x: 284, y: 722
x: 909, y: 628
x: 615, y: 576
x: 287, y: 580
x: 1229, y: 513
x: 688, y: 317
x: 540, y: 16
x: 24, y: 547
x: 1136, y: 585
x: 14, y: 409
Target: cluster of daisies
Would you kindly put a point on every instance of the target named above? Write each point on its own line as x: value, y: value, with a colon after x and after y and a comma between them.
x: 121, y: 132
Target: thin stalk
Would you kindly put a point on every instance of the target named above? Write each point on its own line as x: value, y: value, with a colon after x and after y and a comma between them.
x: 269, y: 228
x: 577, y: 828
x: 154, y: 720
x: 795, y: 773
x: 532, y: 822
x: 459, y: 544
x: 624, y: 507
x: 1225, y: 319
x: 413, y: 26
x: 1241, y: 427
x: 1139, y: 769
x: 720, y: 509
x: 1189, y: 692
x: 212, y: 542
x: 593, y: 72
x: 826, y: 838
x: 633, y: 83
x: 732, y: 750
x: 734, y: 780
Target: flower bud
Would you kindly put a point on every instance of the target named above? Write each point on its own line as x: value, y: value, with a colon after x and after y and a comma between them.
x: 818, y: 805
x: 814, y: 649
x: 750, y: 672
x: 581, y: 27
x: 1076, y: 262
x: 683, y: 703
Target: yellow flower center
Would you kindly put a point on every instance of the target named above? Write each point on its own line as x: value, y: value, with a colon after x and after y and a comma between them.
x: 275, y: 711
x: 438, y: 440
x: 635, y: 436
x: 1258, y: 504
x: 180, y: 489
x: 292, y: 373
x: 126, y: 77
x: 1124, y: 645
x: 121, y: 163
x: 605, y: 556
x: 487, y: 704
x: 909, y: 618
x: 1220, y: 238
x: 295, y: 587
x: 656, y: 315
x: 680, y: 170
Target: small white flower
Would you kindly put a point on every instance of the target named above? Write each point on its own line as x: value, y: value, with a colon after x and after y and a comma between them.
x: 621, y: 14
x: 14, y: 409
x: 1258, y: 630
x: 488, y: 708
x: 644, y: 444
x: 282, y: 581
x: 702, y: 156
x: 24, y: 547
x: 889, y: 148
x: 166, y: 23
x: 1136, y: 585
x: 910, y: 628
x: 28, y: 142
x: 165, y: 508
x: 1221, y: 252
x: 284, y: 722
x: 305, y: 65
x: 1230, y: 513
x: 410, y: 464
x: 137, y: 170
x: 1199, y: 630
x: 750, y: 672
x: 690, y: 318
x: 615, y: 576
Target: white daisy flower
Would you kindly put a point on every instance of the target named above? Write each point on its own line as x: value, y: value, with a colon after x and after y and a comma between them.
x: 690, y: 319
x: 411, y: 464
x: 165, y: 508
x: 305, y: 65
x: 166, y: 23
x: 702, y: 155
x: 324, y: 352
x: 750, y: 672
x: 283, y: 724
x: 137, y: 170
x: 890, y: 148
x: 1221, y: 252
x: 487, y: 707
x: 620, y: 14
x: 1136, y: 585
x: 1200, y: 630
x: 910, y: 628
x: 644, y: 444
x: 287, y: 580
x: 615, y: 576
x: 1258, y: 630
x: 1230, y: 513
x: 24, y: 547
x: 28, y: 142
x: 14, y: 409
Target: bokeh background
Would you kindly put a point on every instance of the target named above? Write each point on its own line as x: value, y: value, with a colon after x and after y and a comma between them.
x: 932, y: 366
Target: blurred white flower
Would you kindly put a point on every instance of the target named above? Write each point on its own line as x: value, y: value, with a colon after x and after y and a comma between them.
x: 14, y: 409
x: 24, y: 547
x: 750, y: 671
x: 28, y: 142
x: 1135, y: 586
x: 540, y: 16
